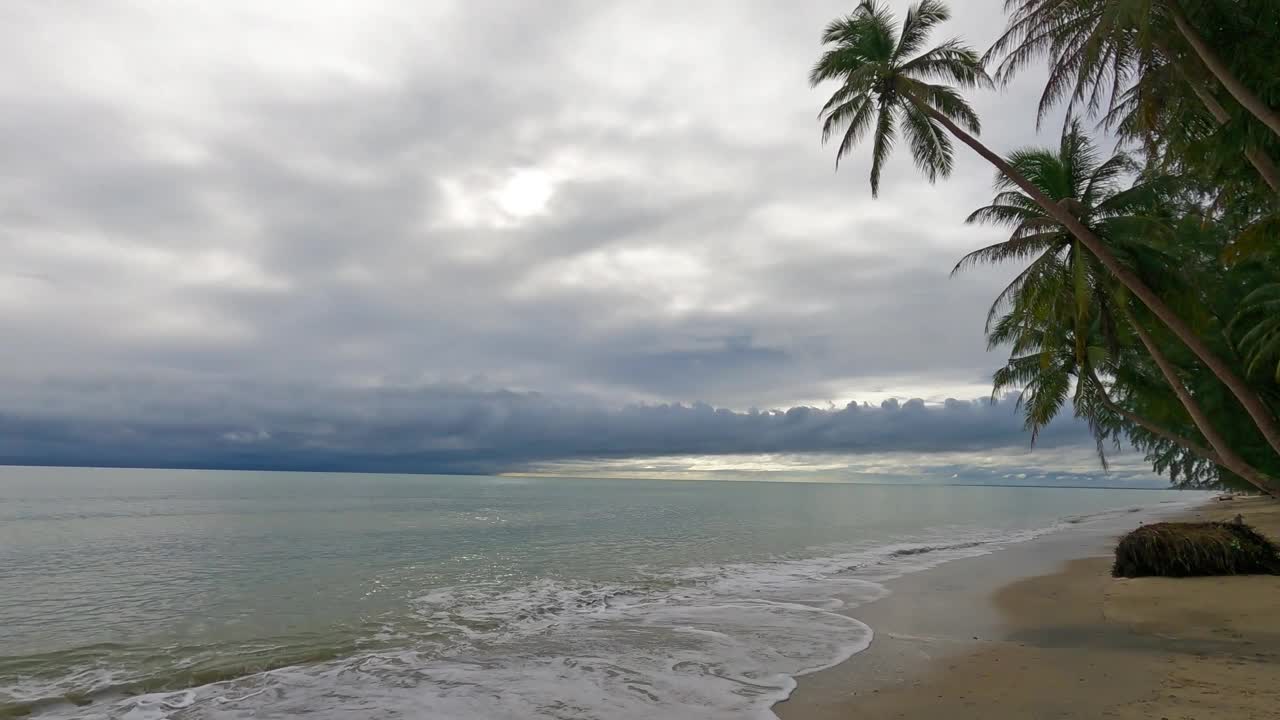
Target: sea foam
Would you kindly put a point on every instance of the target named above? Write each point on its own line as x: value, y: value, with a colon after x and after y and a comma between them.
x: 724, y: 641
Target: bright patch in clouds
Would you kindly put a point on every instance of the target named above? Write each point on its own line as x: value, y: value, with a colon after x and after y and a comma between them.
x: 525, y: 193
x: 503, y: 202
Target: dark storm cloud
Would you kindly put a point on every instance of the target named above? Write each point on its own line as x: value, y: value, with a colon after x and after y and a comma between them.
x: 461, y: 429
x: 616, y: 202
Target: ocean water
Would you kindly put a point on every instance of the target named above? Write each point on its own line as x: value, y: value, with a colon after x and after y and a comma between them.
x: 173, y: 594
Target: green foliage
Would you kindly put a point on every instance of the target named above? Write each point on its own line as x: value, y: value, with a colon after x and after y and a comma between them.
x: 1206, y: 238
x: 1259, y: 326
x: 1061, y: 316
x: 1092, y: 47
x: 1195, y: 549
x: 1257, y: 241
x: 1189, y: 203
x: 885, y: 85
x: 1210, y: 294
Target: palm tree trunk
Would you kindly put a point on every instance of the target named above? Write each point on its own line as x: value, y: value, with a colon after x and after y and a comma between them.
x: 1189, y: 445
x: 1264, y: 166
x: 1258, y: 158
x: 1257, y: 410
x: 1244, y: 95
x: 1227, y: 457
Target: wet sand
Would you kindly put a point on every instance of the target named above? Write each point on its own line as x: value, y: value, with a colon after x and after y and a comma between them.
x: 1060, y: 638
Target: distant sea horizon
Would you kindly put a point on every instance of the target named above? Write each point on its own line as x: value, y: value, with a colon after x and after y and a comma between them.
x: 781, y: 476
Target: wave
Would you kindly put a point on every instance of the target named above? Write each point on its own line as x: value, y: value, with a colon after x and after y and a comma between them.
x: 723, y: 641
x: 111, y: 671
x: 924, y: 549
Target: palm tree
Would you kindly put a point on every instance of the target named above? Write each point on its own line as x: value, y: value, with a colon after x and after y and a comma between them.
x: 880, y: 83
x: 885, y: 83
x: 1076, y: 178
x: 1094, y: 47
x: 1064, y: 317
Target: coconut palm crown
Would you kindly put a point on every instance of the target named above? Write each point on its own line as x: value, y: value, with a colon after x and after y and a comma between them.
x: 889, y: 83
x: 1059, y: 315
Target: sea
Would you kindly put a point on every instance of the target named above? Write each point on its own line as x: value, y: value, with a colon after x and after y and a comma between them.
x: 148, y: 594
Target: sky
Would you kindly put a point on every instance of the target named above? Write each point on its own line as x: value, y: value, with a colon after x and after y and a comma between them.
x: 478, y: 236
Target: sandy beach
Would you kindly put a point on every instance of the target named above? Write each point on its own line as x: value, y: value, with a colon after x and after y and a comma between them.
x: 1060, y: 638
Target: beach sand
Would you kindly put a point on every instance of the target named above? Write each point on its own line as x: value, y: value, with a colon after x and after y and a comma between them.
x: 1070, y: 643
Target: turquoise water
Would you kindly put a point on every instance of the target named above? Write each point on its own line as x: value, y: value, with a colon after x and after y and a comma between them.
x: 185, y: 594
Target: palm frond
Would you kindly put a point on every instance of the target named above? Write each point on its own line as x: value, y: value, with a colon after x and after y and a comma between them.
x: 996, y: 214
x: 951, y: 61
x: 1258, y: 326
x: 930, y: 144
x: 1010, y: 251
x: 947, y: 101
x: 921, y: 19
x: 885, y: 136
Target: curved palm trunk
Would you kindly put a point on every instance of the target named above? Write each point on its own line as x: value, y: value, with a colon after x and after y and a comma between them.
x: 1257, y: 410
x: 1189, y: 445
x: 1265, y: 167
x: 1259, y: 159
x: 1244, y: 95
x: 1227, y: 457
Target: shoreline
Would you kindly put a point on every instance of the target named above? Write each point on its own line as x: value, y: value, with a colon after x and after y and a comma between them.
x: 1040, y: 629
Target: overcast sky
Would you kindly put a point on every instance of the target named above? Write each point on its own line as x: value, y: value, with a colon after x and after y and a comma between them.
x: 240, y: 220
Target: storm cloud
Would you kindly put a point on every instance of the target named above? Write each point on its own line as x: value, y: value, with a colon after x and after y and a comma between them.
x: 393, y: 234
x: 469, y: 430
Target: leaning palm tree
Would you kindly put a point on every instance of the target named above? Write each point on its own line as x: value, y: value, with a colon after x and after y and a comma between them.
x: 1064, y: 316
x: 1095, y: 47
x: 883, y: 80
